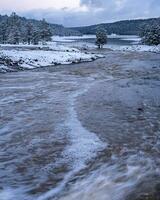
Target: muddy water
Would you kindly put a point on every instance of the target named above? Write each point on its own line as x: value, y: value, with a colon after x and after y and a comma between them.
x: 82, y: 131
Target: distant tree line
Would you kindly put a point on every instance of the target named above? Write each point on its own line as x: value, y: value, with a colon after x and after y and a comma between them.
x: 14, y: 30
x: 126, y: 27
x: 150, y: 35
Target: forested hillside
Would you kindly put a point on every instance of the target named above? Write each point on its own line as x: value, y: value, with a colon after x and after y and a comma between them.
x: 15, y: 29
x: 127, y: 27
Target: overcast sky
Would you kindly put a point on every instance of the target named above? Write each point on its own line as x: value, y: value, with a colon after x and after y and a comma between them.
x: 82, y: 12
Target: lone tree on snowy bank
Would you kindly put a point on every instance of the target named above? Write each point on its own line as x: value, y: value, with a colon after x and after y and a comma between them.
x: 101, y: 38
x: 151, y: 35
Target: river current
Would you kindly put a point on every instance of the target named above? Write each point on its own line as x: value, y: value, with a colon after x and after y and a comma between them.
x: 81, y: 132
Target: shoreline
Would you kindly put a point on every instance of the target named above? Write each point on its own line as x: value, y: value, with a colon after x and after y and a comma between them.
x: 26, y: 59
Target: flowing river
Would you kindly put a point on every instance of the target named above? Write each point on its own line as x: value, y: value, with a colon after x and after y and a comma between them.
x: 83, y: 131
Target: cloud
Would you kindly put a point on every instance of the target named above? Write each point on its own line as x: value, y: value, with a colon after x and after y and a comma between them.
x: 92, y: 3
x: 97, y: 11
x: 64, y: 16
x: 113, y: 10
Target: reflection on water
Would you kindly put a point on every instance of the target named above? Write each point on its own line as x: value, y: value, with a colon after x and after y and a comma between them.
x: 112, y: 41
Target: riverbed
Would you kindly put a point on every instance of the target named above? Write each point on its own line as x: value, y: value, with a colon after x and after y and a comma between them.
x: 83, y: 131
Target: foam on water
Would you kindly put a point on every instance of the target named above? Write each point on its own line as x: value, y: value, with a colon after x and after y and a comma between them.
x: 7, y: 194
x: 84, y: 145
x: 110, y: 182
x: 12, y: 194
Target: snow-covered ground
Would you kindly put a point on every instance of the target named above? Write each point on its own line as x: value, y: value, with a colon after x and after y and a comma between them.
x: 49, y: 45
x: 138, y: 48
x: 13, y: 57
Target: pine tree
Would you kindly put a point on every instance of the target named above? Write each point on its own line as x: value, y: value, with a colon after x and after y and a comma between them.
x: 101, y: 38
x: 29, y: 33
x: 14, y: 29
x: 35, y: 36
x: 17, y: 37
x: 3, y: 36
x: 151, y: 35
x: 14, y: 36
x: 45, y: 32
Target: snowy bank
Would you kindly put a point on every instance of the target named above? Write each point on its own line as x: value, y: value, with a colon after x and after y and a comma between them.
x: 133, y: 39
x: 11, y: 60
x: 136, y: 48
x: 49, y: 46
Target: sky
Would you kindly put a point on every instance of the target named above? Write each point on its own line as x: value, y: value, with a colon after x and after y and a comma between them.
x: 82, y: 12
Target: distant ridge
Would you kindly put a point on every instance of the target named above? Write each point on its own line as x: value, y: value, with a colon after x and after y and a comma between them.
x: 55, y: 28
x: 125, y: 27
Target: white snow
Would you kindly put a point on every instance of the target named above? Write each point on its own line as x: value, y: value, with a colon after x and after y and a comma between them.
x: 49, y: 45
x: 138, y: 48
x: 3, y: 68
x: 29, y: 59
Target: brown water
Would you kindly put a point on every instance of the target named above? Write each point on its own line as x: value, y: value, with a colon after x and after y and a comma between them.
x: 87, y: 131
